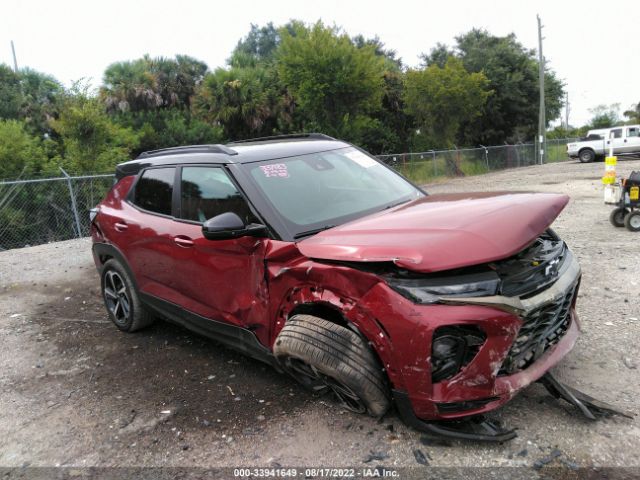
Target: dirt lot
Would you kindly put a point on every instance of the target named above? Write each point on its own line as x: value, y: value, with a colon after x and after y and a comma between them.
x: 74, y: 391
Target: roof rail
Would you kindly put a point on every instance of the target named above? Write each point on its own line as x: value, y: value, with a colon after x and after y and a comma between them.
x: 310, y: 136
x: 188, y: 149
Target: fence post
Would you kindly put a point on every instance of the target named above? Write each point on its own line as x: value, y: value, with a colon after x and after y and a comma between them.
x: 486, y: 156
x: 73, y: 203
x: 435, y: 167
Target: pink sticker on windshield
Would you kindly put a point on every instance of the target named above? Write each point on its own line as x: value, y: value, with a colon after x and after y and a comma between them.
x: 275, y: 170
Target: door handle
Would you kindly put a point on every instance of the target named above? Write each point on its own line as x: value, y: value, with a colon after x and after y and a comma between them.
x: 184, y: 242
x: 120, y: 226
x: 625, y: 140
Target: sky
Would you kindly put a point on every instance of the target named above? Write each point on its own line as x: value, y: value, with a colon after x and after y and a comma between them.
x: 592, y: 48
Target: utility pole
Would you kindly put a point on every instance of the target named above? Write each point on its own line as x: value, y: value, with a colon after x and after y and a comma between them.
x: 542, y: 123
x: 15, y: 62
x: 567, y: 109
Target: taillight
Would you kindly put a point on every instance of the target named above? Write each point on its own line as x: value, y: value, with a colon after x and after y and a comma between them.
x: 93, y: 213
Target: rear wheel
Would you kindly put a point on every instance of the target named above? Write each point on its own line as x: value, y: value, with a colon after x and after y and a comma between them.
x: 329, y: 358
x: 632, y: 221
x: 617, y: 216
x: 587, y: 156
x: 121, y: 299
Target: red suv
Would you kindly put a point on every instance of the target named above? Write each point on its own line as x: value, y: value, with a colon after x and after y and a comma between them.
x: 307, y: 253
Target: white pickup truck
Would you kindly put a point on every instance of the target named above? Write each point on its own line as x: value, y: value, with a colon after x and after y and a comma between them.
x: 625, y: 141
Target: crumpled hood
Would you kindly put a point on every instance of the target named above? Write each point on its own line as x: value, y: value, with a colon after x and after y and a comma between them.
x: 441, y: 232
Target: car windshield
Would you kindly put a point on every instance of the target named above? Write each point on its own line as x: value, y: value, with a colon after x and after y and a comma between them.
x: 317, y: 191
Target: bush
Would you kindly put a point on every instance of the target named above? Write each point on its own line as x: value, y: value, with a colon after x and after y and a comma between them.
x: 19, y: 151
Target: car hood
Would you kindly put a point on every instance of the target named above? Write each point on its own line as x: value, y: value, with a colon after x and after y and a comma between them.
x: 441, y: 232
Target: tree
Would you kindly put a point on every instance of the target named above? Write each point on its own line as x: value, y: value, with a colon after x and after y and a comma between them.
x: 91, y: 140
x: 512, y: 72
x: 331, y: 79
x: 41, y: 94
x: 260, y: 43
x: 29, y: 95
x: 10, y: 93
x: 20, y: 152
x: 633, y: 114
x: 605, y: 116
x: 167, y: 128
x: 390, y: 56
x: 438, y: 55
x: 244, y: 101
x: 441, y: 99
x: 151, y: 83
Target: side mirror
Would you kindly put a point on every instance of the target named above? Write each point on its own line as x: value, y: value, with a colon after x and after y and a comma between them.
x: 229, y: 225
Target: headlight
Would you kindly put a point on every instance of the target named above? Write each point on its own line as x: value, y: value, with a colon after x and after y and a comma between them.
x: 429, y: 289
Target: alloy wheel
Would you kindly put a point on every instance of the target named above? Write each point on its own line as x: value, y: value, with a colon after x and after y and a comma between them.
x: 319, y: 383
x: 116, y: 297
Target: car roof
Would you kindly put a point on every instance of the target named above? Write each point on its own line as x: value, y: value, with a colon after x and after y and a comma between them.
x: 245, y: 151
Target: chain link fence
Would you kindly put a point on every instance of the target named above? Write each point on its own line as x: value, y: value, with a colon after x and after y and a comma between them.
x: 43, y: 210
x: 423, y: 167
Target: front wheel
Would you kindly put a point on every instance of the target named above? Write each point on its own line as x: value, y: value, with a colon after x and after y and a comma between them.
x: 632, y: 221
x: 587, y: 156
x: 617, y: 216
x: 329, y: 358
x: 121, y: 299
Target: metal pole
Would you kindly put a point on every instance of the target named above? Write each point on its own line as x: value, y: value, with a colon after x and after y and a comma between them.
x: 435, y: 167
x: 15, y: 62
x: 542, y: 123
x: 73, y: 203
x: 486, y: 156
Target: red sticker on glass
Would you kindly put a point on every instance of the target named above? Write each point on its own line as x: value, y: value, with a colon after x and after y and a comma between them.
x: 275, y: 170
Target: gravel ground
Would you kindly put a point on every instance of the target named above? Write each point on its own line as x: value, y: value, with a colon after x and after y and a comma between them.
x: 76, y: 392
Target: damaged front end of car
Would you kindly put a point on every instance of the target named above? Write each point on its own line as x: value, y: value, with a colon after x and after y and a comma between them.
x: 478, y: 364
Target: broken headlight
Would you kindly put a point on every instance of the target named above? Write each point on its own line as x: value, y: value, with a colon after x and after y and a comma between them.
x: 426, y: 289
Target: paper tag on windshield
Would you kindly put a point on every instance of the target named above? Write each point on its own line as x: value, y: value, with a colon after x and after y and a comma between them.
x: 361, y: 159
x: 275, y: 170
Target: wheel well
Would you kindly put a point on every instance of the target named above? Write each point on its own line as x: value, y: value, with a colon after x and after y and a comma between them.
x: 333, y: 315
x: 104, y: 258
x: 320, y: 310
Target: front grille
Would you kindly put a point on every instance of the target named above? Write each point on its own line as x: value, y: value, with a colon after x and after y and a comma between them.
x: 534, y: 268
x: 541, y: 329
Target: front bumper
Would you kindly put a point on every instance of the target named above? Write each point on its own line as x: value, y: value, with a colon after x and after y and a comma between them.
x: 482, y: 385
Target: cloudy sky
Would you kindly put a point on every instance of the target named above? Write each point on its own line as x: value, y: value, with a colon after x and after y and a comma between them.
x: 593, y: 46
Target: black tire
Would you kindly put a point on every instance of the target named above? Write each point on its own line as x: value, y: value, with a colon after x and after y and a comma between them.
x: 121, y: 299
x: 586, y: 156
x: 329, y: 358
x: 617, y: 216
x: 632, y: 221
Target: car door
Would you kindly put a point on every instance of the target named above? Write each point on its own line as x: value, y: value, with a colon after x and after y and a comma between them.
x: 632, y: 139
x: 615, y: 138
x: 219, y: 279
x: 147, y: 220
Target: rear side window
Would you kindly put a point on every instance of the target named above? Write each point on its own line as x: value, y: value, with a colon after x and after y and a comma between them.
x: 207, y: 192
x: 632, y: 132
x: 617, y: 133
x: 155, y: 189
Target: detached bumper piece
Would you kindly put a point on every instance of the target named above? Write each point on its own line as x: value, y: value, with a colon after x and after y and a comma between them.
x: 590, y: 407
x: 475, y: 428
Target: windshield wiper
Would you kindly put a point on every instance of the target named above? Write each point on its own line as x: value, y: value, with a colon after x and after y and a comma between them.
x: 396, y: 204
x: 312, y: 232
